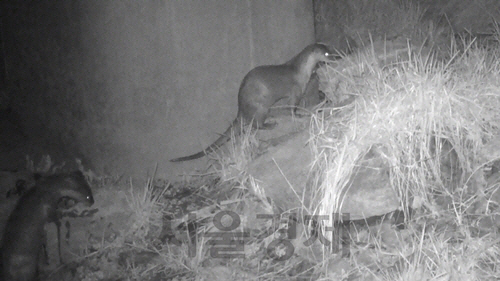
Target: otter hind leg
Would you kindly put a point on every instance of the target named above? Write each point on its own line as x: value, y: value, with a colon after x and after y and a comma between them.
x: 259, y: 119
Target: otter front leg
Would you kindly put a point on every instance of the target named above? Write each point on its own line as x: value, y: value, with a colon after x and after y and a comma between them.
x: 294, y: 100
x: 312, y: 95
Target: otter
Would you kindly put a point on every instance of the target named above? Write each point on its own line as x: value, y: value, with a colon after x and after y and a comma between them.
x: 24, y: 231
x: 263, y: 86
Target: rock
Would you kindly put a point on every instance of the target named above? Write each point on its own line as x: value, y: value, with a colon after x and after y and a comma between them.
x: 369, y: 192
x: 283, y: 173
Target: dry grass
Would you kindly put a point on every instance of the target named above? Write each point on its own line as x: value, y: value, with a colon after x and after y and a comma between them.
x: 411, y: 112
x: 147, y: 207
x: 231, y: 163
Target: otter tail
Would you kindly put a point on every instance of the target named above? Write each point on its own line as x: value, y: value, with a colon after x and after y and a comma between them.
x: 225, y: 137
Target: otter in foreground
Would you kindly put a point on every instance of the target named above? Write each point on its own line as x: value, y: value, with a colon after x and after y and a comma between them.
x: 24, y: 231
x: 263, y: 86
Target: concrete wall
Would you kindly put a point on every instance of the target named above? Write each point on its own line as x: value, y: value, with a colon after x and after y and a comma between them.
x: 127, y: 85
x: 329, y: 21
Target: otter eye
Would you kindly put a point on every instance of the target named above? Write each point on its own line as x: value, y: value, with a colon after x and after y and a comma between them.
x: 327, y: 54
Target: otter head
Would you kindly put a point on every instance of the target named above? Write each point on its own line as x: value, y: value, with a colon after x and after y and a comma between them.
x: 307, y: 60
x: 74, y: 186
x: 322, y: 53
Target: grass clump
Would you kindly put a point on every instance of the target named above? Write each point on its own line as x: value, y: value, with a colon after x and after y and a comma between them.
x: 429, y: 122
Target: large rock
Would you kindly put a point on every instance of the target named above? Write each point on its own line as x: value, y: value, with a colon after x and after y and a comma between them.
x: 369, y: 193
x: 284, y: 173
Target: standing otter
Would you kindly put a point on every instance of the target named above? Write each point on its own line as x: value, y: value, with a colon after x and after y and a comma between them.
x: 24, y: 231
x: 263, y: 86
